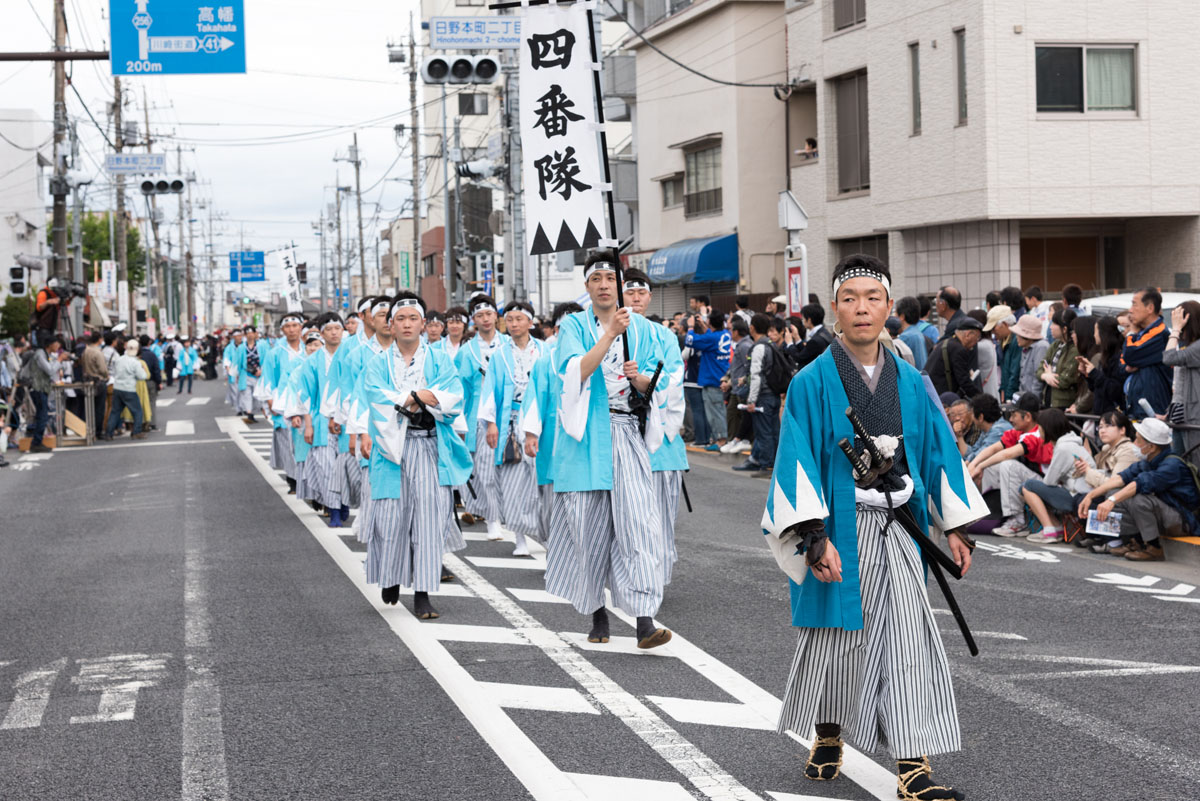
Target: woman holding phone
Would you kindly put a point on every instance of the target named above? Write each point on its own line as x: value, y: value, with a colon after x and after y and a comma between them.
x: 1183, y: 353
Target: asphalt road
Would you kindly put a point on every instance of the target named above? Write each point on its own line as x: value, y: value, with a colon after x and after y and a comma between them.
x: 173, y: 626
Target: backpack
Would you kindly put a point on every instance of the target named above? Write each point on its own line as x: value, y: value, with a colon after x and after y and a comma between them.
x: 779, y: 374
x: 25, y: 374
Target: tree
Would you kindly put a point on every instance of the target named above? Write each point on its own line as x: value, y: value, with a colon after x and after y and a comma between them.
x: 94, y: 233
x: 14, y: 315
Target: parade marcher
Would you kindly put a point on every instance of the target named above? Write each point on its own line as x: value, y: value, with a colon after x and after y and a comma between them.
x: 869, y: 665
x: 310, y: 335
x: 323, y: 482
x: 482, y: 495
x: 539, y: 413
x: 417, y: 458
x: 229, y: 360
x: 349, y: 408
x: 352, y: 322
x: 272, y: 390
x: 250, y: 365
x: 669, y: 462
x: 456, y: 331
x: 607, y: 532
x: 504, y: 388
x: 435, y: 326
x: 189, y: 360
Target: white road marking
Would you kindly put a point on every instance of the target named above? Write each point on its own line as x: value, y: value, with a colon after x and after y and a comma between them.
x: 154, y: 444
x: 513, y: 563
x: 197, y: 401
x: 31, y: 694
x: 1177, y: 590
x: 204, y: 776
x: 118, y: 679
x: 461, y: 632
x: 617, y: 788
x: 711, y: 713
x: 24, y: 466
x: 34, y: 457
x: 162, y: 404
x: 542, y: 699
x: 180, y: 428
x: 535, y: 596
x: 1009, y: 551
x: 794, y: 797
x: 1123, y: 580
x: 448, y: 590
x: 1180, y: 600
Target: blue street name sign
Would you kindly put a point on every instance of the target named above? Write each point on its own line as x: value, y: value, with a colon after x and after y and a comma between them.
x: 474, y: 33
x: 135, y: 163
x: 176, y: 37
x: 247, y: 265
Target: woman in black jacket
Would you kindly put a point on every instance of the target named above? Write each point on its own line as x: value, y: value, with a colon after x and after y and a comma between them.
x: 1108, y: 380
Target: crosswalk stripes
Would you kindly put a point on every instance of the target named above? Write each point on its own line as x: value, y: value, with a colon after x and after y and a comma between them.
x: 162, y: 404
x: 198, y: 401
x: 178, y: 428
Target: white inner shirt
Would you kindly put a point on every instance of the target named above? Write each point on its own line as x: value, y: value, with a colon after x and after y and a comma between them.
x: 523, y: 361
x: 614, y: 376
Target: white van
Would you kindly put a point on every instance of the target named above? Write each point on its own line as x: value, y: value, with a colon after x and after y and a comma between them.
x: 1112, y: 305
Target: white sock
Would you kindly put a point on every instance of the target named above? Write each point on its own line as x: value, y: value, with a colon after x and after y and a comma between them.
x: 522, y: 549
x: 3, y: 442
x: 493, y: 527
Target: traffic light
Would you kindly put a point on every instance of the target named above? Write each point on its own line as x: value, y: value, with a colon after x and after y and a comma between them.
x: 302, y: 272
x: 18, y: 281
x: 478, y: 170
x: 459, y: 69
x: 167, y: 185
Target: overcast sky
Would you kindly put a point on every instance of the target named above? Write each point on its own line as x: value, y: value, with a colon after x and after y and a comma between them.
x: 311, y: 65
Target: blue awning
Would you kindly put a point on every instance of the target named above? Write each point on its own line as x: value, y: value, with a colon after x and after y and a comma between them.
x: 695, y: 261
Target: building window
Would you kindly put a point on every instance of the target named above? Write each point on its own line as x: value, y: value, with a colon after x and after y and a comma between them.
x: 428, y: 266
x: 1081, y: 79
x: 672, y: 192
x: 848, y: 13
x: 469, y: 2
x: 470, y: 103
x: 853, y: 141
x: 914, y: 72
x: 702, y: 179
x: 960, y: 55
x: 876, y: 246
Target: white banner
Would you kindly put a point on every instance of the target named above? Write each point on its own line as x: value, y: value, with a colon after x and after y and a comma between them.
x: 123, y: 304
x: 562, y: 164
x: 291, y: 283
x: 108, y: 280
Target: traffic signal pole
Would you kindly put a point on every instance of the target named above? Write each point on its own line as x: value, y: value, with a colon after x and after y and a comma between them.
x: 58, y: 184
x: 415, y: 259
x: 122, y: 248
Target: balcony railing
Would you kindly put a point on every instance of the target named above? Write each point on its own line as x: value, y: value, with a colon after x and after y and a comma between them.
x: 702, y: 202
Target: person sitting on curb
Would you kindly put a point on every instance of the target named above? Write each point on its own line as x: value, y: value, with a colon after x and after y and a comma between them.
x: 989, y: 421
x: 1119, y: 453
x: 1154, y: 497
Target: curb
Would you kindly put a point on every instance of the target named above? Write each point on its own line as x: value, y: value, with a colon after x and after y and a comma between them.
x: 1182, y: 550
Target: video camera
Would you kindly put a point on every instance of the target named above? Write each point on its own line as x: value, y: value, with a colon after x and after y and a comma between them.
x: 66, y: 290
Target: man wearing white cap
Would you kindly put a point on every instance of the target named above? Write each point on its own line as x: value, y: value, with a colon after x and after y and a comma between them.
x: 1000, y: 321
x: 1155, y: 497
x: 482, y: 496
x: 606, y: 529
x: 1033, y: 354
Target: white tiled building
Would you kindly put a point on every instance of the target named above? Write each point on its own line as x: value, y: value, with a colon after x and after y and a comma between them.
x: 985, y: 144
x: 24, y: 161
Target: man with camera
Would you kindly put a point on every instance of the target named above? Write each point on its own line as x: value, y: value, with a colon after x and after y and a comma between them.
x: 52, y: 299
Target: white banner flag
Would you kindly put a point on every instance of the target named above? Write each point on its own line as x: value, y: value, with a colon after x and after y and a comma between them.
x: 291, y: 282
x: 123, y: 305
x: 108, y: 280
x: 562, y: 163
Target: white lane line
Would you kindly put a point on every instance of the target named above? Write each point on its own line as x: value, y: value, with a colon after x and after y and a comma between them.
x: 197, y: 401
x: 203, y: 770
x: 535, y: 596
x: 530, y: 766
x: 155, y: 444
x: 1178, y: 599
x: 162, y: 404
x: 34, y: 457
x: 512, y: 563
x: 448, y: 590
x: 699, y: 769
x: 617, y: 788
x: 541, y: 699
x: 31, y: 694
x: 794, y: 797
x: 461, y: 632
x: 1156, y: 670
x: 180, y: 428
x: 711, y: 713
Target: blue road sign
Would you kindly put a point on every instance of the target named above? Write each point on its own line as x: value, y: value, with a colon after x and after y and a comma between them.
x: 487, y: 282
x: 247, y: 265
x: 177, y: 36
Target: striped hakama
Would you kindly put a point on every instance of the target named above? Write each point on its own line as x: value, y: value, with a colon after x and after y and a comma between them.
x: 610, y: 538
x: 485, y: 501
x: 545, y: 513
x: 407, y: 536
x: 667, y: 484
x: 231, y: 393
x: 320, y: 478
x: 247, y: 403
x: 351, y: 479
x: 888, y: 684
x: 364, y: 506
x: 282, y: 455
x: 519, y: 501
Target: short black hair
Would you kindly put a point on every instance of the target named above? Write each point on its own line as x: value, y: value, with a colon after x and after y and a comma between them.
x: 92, y: 339
x: 434, y: 314
x: 654, y: 318
x: 860, y: 260
x: 908, y: 309
x: 808, y: 140
x: 925, y: 304
x: 1013, y: 298
x: 701, y: 299
x: 608, y: 256
x: 514, y: 305
x: 716, y: 320
x: 1072, y: 294
x: 1153, y: 297
x: 761, y: 323
x: 563, y: 309
x: 992, y: 299
x: 1033, y: 291
x: 951, y: 296
x: 459, y: 310
x: 985, y: 406
x: 471, y: 304
x: 144, y: 340
x: 814, y: 312
x: 634, y: 274
x: 404, y: 294
x: 739, y: 327
x: 779, y: 324
x: 742, y: 301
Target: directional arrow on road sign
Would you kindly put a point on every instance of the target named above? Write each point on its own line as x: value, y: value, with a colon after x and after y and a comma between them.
x: 1124, y: 581
x: 190, y: 44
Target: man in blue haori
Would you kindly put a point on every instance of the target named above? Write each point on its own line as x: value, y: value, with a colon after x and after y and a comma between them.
x: 606, y: 523
x: 870, y: 665
x: 482, y: 497
x: 249, y: 360
x: 504, y: 388
x: 229, y: 360
x: 271, y: 391
x: 417, y: 458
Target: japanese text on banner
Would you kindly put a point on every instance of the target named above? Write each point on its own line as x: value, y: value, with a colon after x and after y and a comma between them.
x: 291, y: 282
x: 562, y: 163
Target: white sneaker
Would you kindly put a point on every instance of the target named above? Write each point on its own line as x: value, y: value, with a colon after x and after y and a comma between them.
x: 733, y: 446
x: 1013, y: 527
x: 522, y: 548
x: 1046, y: 536
x: 746, y: 446
x: 493, y: 531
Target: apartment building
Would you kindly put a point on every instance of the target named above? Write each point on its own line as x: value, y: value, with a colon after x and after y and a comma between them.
x: 709, y: 155
x: 25, y: 158
x: 982, y: 143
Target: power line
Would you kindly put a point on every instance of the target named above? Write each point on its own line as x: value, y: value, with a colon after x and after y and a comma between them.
x: 90, y: 117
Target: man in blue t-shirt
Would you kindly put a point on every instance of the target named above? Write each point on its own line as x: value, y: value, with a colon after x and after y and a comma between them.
x: 715, y: 347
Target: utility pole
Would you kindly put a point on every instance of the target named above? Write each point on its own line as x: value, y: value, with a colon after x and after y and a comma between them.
x: 338, y: 253
x: 362, y: 261
x: 447, y: 263
x: 58, y: 184
x: 321, y: 242
x: 122, y: 249
x: 77, y: 239
x: 460, y: 240
x: 415, y: 258
x: 152, y: 207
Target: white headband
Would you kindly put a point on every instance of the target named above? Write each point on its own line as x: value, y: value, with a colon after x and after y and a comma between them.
x: 636, y: 285
x: 291, y: 318
x: 383, y: 304
x: 518, y: 309
x: 599, y: 265
x: 862, y: 272
x: 485, y: 306
x: 311, y: 335
x: 458, y: 317
x: 363, y: 304
x: 405, y: 303
x: 328, y: 323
